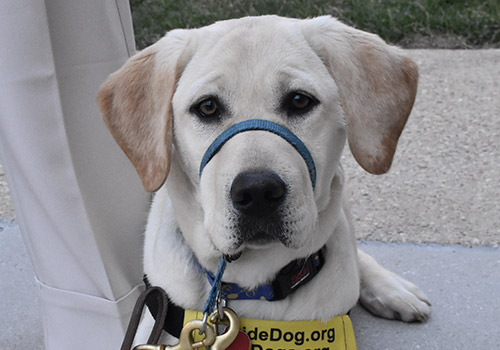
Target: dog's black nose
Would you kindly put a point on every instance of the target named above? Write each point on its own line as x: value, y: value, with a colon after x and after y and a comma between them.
x: 257, y: 194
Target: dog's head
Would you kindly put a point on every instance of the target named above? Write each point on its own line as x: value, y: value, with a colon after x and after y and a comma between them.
x: 320, y: 79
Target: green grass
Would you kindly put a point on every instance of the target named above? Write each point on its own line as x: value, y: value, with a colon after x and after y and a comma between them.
x: 421, y: 23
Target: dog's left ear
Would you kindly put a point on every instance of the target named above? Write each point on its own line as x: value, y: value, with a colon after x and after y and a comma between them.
x: 377, y: 85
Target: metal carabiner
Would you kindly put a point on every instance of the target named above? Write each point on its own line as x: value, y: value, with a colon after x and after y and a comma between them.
x: 186, y: 341
x: 150, y: 347
x: 223, y: 341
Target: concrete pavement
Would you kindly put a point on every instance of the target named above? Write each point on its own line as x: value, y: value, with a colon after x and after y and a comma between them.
x: 20, y: 323
x: 462, y: 284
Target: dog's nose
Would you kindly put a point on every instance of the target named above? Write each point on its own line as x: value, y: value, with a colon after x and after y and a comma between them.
x: 257, y: 193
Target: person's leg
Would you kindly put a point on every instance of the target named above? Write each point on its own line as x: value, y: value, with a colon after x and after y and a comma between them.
x: 79, y: 204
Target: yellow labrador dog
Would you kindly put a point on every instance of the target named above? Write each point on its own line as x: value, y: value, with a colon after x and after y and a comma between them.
x: 254, y: 201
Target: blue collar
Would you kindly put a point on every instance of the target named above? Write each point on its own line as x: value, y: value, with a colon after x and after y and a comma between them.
x: 290, y: 278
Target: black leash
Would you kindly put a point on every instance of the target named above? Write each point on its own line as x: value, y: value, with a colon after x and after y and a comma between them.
x: 175, y: 314
x: 160, y: 299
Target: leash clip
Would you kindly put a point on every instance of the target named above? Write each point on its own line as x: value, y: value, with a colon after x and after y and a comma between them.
x: 223, y: 341
x: 220, y: 305
x: 186, y: 341
x: 217, y: 315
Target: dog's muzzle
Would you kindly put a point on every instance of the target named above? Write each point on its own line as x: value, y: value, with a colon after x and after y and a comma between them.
x: 258, y: 195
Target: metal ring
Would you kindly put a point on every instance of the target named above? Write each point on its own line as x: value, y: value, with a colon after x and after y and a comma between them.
x: 221, y: 304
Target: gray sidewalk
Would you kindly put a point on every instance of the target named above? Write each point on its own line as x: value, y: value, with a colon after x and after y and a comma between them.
x: 20, y: 324
x: 462, y: 283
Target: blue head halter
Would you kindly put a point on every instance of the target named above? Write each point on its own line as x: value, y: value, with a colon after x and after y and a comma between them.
x: 266, y: 125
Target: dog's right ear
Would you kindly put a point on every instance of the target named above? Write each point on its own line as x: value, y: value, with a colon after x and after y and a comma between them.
x: 136, y: 103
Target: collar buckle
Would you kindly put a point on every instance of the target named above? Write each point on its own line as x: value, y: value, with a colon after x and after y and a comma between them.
x: 296, y: 274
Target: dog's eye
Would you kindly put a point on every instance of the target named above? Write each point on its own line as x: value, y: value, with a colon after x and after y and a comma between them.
x: 208, y: 108
x: 300, y: 101
x: 297, y: 103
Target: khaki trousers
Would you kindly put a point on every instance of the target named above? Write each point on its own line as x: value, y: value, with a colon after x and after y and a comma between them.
x: 80, y: 206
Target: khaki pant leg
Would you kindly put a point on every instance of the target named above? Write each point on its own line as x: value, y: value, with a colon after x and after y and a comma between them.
x: 80, y: 206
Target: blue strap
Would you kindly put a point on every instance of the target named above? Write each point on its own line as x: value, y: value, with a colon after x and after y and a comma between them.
x: 266, y: 125
x: 209, y: 306
x: 231, y: 291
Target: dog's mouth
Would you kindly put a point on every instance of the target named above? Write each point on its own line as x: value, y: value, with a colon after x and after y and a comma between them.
x: 260, y: 232
x: 232, y: 257
x: 253, y: 238
x: 261, y: 238
x: 258, y: 241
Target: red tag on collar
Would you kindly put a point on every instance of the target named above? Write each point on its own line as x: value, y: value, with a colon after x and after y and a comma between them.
x: 242, y: 342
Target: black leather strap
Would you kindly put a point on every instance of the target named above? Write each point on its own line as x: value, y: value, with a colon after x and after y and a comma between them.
x: 154, y: 295
x: 174, y: 318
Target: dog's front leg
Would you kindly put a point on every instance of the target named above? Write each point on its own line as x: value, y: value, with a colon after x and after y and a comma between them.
x: 387, y: 295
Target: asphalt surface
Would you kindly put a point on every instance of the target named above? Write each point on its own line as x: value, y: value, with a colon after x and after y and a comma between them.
x: 6, y: 205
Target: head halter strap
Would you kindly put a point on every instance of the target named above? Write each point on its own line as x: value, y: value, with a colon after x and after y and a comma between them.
x: 265, y: 125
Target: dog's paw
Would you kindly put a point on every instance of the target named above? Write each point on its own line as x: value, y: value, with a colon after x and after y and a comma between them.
x: 393, y: 297
x: 388, y: 295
